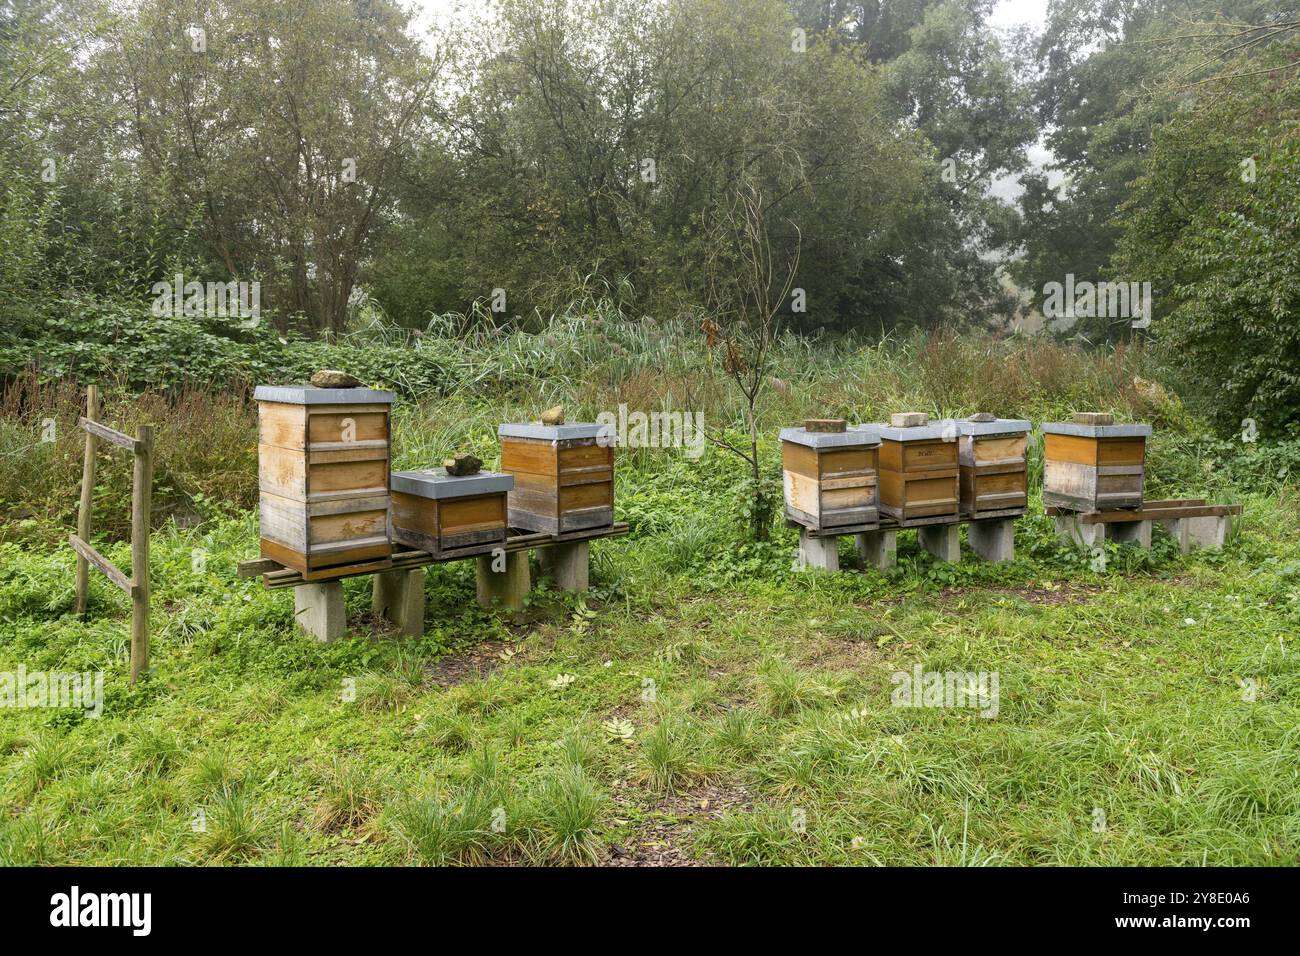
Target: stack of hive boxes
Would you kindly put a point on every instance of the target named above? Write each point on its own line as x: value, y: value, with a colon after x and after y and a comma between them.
x: 563, y: 476
x: 830, y: 475
x: 1091, y: 464
x: 323, y: 458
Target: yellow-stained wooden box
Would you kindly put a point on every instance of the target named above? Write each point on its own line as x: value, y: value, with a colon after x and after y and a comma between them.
x: 564, y: 476
x: 994, y: 472
x: 919, y: 472
x: 1089, y: 468
x: 830, y: 478
x: 448, y: 514
x: 323, y: 458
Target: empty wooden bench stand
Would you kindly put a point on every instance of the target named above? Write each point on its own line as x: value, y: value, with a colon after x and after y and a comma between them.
x: 994, y: 480
x: 1192, y: 522
x: 830, y: 484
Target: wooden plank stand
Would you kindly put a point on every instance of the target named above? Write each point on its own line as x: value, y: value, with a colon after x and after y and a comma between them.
x: 502, y: 579
x: 1192, y: 522
x: 137, y: 585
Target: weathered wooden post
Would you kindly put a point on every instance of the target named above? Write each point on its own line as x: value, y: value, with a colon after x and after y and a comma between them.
x: 141, y: 506
x: 136, y: 587
x: 87, y: 500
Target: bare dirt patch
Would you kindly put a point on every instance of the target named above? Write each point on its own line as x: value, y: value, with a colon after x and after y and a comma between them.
x: 664, y: 836
x: 474, y: 664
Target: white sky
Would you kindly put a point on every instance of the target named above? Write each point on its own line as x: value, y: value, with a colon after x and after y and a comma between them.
x: 1010, y: 13
x: 1007, y: 13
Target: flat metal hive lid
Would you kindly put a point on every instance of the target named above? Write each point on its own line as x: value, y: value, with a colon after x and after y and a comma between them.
x: 436, y: 483
x: 555, y: 432
x: 310, y: 395
x: 948, y: 429
x: 1135, y: 430
x: 999, y: 426
x: 849, y: 438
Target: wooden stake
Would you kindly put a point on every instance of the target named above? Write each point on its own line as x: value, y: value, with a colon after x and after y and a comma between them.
x: 141, y: 504
x: 87, y: 496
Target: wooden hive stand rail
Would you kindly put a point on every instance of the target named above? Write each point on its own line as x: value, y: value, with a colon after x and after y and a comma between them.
x: 502, y: 578
x: 1192, y: 522
x: 991, y: 536
x: 136, y: 585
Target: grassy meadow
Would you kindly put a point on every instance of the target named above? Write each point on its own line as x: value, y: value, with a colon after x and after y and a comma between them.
x: 704, y: 702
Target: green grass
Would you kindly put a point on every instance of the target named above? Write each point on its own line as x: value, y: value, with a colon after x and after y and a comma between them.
x: 1148, y: 714
x: 720, y: 701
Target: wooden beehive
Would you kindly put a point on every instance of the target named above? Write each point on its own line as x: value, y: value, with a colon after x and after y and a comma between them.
x: 919, y: 471
x: 564, y: 476
x: 442, y: 513
x: 994, y: 475
x: 1093, y: 467
x: 830, y: 478
x: 323, y: 477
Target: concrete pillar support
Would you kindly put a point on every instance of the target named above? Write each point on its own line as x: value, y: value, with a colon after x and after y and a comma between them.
x: 318, y: 609
x: 993, y: 539
x: 503, y: 579
x: 821, y: 554
x: 399, y: 598
x: 878, y: 549
x: 568, y: 564
x: 941, y: 540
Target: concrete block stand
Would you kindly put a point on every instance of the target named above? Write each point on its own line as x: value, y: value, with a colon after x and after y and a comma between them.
x: 1209, y: 532
x: 821, y: 554
x: 878, y: 549
x: 941, y: 540
x: 318, y: 609
x: 398, y: 597
x: 1070, y: 530
x: 568, y: 564
x: 507, y: 587
x: 993, y: 539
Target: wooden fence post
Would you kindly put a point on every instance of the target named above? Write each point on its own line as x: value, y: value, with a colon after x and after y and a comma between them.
x: 141, y: 503
x: 87, y: 498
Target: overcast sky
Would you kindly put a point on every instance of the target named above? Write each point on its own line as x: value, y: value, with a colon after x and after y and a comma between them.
x: 1007, y: 13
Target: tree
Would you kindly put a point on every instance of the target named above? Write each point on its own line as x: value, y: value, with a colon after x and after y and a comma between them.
x: 284, y: 125
x: 749, y: 286
x: 1213, y: 222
